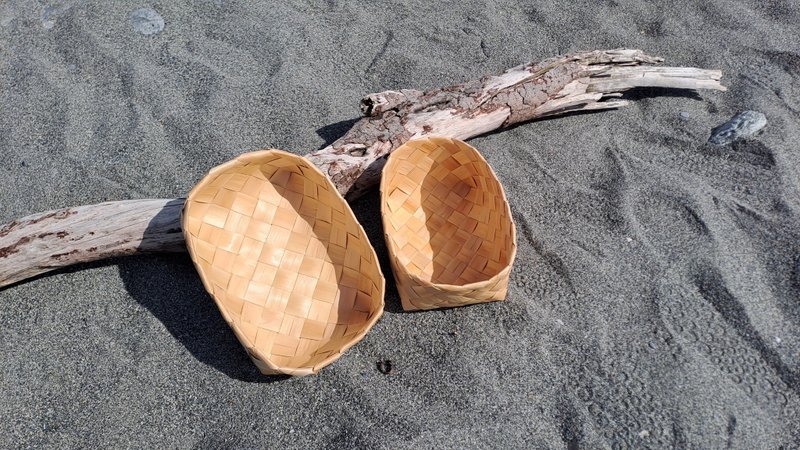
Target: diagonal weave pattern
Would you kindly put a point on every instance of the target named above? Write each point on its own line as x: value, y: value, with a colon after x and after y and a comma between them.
x: 448, y: 226
x: 288, y: 265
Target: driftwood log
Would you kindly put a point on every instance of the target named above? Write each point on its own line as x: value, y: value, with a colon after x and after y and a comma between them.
x: 577, y: 82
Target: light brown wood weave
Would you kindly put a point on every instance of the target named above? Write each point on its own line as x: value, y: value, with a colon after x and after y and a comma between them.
x: 288, y: 265
x: 448, y: 226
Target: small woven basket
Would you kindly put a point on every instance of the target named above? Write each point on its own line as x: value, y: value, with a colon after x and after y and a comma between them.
x: 284, y: 258
x: 448, y: 226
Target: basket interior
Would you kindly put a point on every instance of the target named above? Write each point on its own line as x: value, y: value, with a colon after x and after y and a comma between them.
x: 449, y: 220
x: 284, y: 258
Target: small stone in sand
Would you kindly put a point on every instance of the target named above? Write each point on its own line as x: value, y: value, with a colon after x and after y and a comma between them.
x: 684, y: 115
x: 744, y: 124
x: 147, y: 21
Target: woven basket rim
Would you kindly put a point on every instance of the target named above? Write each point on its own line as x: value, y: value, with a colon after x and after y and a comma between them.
x: 390, y: 245
x: 255, y: 156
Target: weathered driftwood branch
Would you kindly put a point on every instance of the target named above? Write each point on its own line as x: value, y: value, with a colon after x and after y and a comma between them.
x: 42, y: 242
x: 577, y: 82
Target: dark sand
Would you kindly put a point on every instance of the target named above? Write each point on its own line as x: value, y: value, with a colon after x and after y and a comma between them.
x: 655, y: 299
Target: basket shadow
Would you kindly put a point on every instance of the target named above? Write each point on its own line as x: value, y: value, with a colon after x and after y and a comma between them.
x: 367, y: 210
x: 170, y: 288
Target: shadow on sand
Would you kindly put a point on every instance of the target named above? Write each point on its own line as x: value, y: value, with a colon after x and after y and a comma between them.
x: 170, y: 288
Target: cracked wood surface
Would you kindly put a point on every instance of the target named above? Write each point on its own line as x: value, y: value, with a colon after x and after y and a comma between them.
x: 576, y: 82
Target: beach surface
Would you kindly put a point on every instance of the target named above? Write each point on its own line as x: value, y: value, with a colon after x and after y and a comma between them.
x: 655, y: 299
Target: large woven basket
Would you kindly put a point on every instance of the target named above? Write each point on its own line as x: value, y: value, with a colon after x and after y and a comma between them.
x: 448, y: 226
x: 288, y: 265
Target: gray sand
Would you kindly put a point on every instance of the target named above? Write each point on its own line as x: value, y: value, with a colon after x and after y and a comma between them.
x: 654, y: 302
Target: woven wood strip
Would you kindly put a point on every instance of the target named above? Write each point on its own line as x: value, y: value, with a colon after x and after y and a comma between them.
x: 448, y: 226
x: 285, y: 260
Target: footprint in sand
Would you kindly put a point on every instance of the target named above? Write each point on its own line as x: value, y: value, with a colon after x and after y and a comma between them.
x: 617, y: 397
x: 707, y: 320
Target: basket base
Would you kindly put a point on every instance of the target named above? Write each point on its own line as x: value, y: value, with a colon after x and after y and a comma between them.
x: 267, y: 370
x: 415, y: 297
